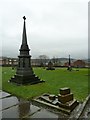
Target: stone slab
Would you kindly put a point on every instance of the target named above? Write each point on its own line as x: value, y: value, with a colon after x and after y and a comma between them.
x: 8, y: 102
x: 20, y: 111
x: 26, y: 109
x: 46, y: 98
x: 0, y: 104
x: 44, y: 114
x: 12, y: 112
x: 4, y: 94
x: 0, y: 94
x: 0, y: 115
x: 51, y: 106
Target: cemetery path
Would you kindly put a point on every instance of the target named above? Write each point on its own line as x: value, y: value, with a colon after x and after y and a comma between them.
x: 13, y: 107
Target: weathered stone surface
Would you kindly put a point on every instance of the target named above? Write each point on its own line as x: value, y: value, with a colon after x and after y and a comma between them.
x: 69, y: 105
x: 52, y: 97
x: 9, y: 101
x: 65, y: 98
x: 64, y: 103
x: 20, y: 80
x: 4, y: 94
x: 24, y: 110
x: 64, y: 91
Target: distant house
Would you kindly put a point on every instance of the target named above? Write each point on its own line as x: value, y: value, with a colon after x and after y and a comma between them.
x: 4, y: 61
x: 79, y: 63
x: 66, y: 64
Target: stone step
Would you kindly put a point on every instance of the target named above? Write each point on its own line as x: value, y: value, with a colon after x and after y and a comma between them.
x: 65, y: 98
x: 69, y: 105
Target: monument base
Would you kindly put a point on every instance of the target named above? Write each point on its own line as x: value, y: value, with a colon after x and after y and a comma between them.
x: 51, y: 102
x: 24, y: 80
x: 69, y: 105
x: 50, y: 69
x: 69, y: 68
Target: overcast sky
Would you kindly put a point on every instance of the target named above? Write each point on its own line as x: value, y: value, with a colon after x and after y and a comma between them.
x: 55, y: 28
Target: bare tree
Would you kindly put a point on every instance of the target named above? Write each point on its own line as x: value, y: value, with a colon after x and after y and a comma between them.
x: 43, y: 59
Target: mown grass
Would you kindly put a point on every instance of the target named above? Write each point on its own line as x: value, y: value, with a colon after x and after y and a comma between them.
x: 54, y: 80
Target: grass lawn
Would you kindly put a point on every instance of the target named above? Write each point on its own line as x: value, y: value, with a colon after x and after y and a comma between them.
x: 76, y: 80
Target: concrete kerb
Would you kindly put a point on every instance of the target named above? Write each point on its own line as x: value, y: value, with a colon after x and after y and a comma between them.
x: 81, y: 109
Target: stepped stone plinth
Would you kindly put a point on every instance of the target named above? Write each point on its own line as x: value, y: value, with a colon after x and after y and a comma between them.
x: 66, y: 99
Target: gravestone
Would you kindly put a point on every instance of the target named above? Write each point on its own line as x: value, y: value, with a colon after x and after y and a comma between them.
x: 50, y: 66
x: 24, y: 73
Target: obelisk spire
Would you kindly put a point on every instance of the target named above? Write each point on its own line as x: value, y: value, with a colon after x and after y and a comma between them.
x: 24, y: 36
x: 69, y: 64
x: 69, y: 61
x: 24, y: 45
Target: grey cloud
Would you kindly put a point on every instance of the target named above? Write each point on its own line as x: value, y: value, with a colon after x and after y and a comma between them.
x: 53, y: 27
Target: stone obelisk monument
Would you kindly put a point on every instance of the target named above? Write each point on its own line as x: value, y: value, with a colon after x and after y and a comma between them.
x: 24, y: 73
x: 69, y: 64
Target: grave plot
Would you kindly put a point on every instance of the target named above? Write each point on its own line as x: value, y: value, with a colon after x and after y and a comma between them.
x: 63, y: 102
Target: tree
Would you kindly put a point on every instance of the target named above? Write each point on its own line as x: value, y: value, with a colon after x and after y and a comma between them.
x: 43, y: 59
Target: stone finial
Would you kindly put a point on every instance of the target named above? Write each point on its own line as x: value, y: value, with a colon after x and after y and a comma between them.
x: 24, y: 17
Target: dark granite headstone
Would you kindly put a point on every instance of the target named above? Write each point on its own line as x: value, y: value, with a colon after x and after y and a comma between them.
x: 24, y: 73
x: 50, y: 66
